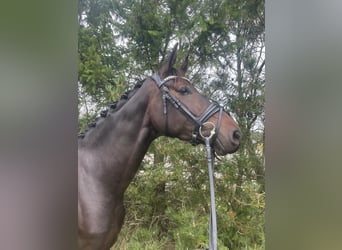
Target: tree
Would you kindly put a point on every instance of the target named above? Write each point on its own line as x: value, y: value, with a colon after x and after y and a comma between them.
x: 121, y: 42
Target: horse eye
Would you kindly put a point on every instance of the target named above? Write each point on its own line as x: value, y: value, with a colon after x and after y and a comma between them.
x: 184, y: 91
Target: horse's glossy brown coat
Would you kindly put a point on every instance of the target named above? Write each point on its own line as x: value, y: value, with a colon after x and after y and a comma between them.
x: 110, y: 153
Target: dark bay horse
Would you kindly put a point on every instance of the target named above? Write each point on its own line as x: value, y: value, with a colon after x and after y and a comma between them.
x: 110, y: 152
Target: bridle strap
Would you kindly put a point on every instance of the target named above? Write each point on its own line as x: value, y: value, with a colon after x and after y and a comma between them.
x: 166, y: 95
x: 218, y: 126
x: 209, y: 112
x: 212, y: 109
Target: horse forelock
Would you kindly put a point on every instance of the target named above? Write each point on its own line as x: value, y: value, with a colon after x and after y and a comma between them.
x: 114, y: 106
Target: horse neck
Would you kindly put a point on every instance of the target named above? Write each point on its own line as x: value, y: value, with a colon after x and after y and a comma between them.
x: 120, y: 142
x: 133, y: 132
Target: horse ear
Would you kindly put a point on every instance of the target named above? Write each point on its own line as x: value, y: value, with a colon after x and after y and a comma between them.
x: 185, y: 63
x: 166, y: 67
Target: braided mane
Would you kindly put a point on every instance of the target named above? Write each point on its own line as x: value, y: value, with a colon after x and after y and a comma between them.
x: 113, y: 107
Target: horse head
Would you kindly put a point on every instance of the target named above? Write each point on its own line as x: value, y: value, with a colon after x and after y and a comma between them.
x: 177, y: 109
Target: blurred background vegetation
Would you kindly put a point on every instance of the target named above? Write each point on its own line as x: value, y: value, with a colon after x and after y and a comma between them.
x: 167, y: 204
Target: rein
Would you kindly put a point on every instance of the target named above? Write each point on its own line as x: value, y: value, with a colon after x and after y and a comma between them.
x: 212, y: 222
x: 200, y: 123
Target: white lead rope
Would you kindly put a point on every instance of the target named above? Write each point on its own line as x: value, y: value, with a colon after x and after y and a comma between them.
x: 212, y: 222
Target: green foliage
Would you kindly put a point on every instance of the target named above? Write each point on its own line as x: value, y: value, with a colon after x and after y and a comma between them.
x: 170, y: 200
x: 167, y: 203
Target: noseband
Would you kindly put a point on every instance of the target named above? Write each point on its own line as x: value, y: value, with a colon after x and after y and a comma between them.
x: 198, y: 121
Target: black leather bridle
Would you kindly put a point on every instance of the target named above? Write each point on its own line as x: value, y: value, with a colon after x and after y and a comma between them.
x: 198, y: 121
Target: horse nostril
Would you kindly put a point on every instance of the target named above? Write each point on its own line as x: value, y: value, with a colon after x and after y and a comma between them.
x: 237, y: 135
